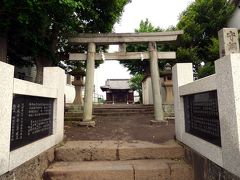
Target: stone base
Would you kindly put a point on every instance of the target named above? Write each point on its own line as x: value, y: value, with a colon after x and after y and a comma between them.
x: 74, y: 108
x: 161, y: 122
x: 87, y: 123
x: 32, y: 169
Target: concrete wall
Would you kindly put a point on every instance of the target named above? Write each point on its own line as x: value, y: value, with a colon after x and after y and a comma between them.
x: 226, y: 82
x: 53, y: 87
x: 69, y: 93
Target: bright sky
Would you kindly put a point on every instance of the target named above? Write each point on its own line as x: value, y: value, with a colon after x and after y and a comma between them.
x: 162, y: 13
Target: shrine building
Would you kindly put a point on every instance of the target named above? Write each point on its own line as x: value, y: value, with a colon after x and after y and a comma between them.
x: 118, y: 91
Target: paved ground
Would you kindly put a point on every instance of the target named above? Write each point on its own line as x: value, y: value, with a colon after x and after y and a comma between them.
x: 122, y: 128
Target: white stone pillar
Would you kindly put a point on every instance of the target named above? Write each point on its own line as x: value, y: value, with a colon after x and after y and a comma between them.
x: 182, y: 74
x: 89, y: 85
x: 228, y: 41
x: 6, y: 98
x: 55, y: 77
x: 157, y: 99
x: 228, y: 91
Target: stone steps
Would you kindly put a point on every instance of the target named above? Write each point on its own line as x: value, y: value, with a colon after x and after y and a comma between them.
x: 123, y: 106
x: 124, y: 114
x: 119, y: 160
x: 113, y: 111
x: 123, y: 110
x: 120, y: 170
x: 117, y: 150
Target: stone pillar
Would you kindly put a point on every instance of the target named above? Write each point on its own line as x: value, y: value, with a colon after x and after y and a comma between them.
x: 228, y: 41
x: 182, y: 74
x: 227, y: 78
x: 6, y: 98
x: 89, y: 85
x: 55, y: 77
x: 157, y: 99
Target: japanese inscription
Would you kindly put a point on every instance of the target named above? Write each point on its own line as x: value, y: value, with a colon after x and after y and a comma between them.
x: 202, y: 117
x: 228, y: 41
x: 232, y: 45
x: 32, y: 119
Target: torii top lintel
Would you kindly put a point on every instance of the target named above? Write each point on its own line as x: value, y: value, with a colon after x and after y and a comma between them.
x: 118, y: 38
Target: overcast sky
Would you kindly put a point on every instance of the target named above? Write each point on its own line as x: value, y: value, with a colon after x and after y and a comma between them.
x: 162, y: 13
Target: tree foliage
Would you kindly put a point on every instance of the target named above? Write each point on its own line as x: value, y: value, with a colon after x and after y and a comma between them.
x: 142, y: 66
x: 201, y: 22
x: 135, y: 83
x: 39, y: 29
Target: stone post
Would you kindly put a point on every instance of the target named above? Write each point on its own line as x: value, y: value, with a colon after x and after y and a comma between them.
x: 6, y: 98
x: 89, y: 85
x: 228, y: 41
x: 227, y: 77
x: 182, y: 74
x: 55, y: 77
x: 157, y: 99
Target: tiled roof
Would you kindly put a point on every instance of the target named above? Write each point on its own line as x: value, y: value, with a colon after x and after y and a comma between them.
x: 116, y: 84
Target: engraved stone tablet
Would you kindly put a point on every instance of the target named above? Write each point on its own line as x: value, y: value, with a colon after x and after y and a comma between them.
x: 32, y: 119
x: 202, y: 117
x: 228, y: 41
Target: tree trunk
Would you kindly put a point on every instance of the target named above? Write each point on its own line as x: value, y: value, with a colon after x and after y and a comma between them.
x: 3, y: 49
x: 41, y: 62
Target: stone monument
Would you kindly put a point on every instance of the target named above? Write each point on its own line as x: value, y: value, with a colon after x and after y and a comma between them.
x: 228, y: 41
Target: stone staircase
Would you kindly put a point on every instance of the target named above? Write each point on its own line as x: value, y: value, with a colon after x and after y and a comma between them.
x: 123, y: 110
x: 111, y: 111
x: 116, y: 110
x: 118, y: 160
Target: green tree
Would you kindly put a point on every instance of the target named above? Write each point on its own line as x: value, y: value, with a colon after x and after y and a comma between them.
x: 135, y: 83
x: 41, y: 28
x: 201, y: 22
x: 143, y: 67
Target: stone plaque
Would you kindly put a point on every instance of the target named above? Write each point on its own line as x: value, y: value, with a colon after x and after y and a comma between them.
x: 228, y: 41
x: 202, y: 117
x: 32, y: 119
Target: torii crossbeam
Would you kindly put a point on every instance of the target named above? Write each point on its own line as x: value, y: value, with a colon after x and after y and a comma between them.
x: 122, y: 38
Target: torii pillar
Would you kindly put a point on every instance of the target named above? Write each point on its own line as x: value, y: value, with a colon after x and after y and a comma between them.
x: 89, y: 85
x: 155, y: 78
x: 122, y: 38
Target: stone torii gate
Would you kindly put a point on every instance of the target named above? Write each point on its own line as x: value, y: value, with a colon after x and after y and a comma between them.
x: 121, y: 39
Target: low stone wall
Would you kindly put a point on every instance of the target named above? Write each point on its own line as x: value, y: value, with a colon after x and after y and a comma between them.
x: 207, y: 110
x: 32, y: 116
x: 204, y: 169
x: 32, y: 169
